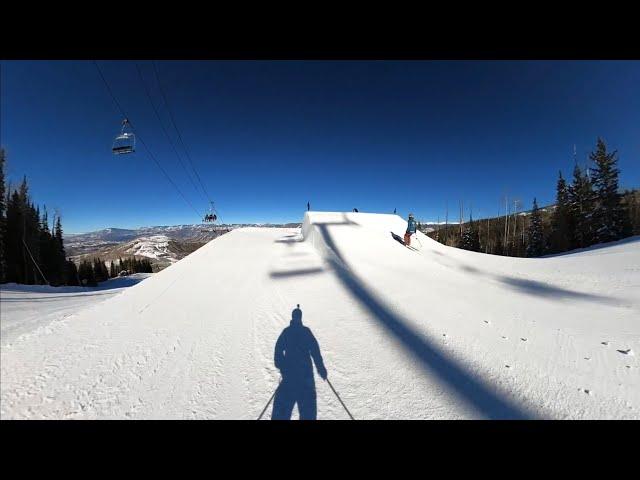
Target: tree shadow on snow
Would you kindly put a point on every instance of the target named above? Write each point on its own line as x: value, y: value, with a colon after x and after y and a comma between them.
x: 288, y: 240
x: 542, y: 289
x: 295, y: 349
x: 293, y: 273
x: 482, y: 397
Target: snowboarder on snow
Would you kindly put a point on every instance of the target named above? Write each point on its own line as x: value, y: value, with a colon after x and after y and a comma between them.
x: 394, y: 211
x: 411, y: 229
x: 295, y: 349
x: 355, y: 210
x: 308, y: 206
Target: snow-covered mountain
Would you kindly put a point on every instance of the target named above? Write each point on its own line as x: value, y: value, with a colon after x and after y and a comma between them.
x: 161, y: 249
x: 194, y: 232
x: 164, y: 245
x: 119, y: 235
x: 433, y: 332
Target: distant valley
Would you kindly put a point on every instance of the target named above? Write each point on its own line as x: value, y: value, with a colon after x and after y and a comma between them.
x: 163, y: 245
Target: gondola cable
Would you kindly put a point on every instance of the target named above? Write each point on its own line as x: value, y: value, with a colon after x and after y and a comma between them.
x: 175, y: 126
x: 212, y: 209
x: 124, y: 114
x: 164, y: 130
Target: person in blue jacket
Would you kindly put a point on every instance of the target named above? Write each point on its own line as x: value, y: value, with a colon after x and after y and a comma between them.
x: 411, y: 229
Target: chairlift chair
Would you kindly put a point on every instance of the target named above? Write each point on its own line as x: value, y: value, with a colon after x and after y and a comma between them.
x: 125, y: 142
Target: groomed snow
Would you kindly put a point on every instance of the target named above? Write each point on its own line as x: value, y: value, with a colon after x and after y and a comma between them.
x: 438, y: 333
x: 28, y: 307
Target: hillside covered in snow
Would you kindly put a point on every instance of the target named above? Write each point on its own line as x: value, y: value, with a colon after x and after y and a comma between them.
x: 431, y: 333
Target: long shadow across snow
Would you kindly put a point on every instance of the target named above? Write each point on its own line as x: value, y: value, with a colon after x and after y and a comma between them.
x: 533, y: 287
x: 540, y: 289
x: 293, y: 273
x: 480, y: 396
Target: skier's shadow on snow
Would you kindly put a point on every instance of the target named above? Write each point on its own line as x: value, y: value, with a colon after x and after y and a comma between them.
x: 295, y: 349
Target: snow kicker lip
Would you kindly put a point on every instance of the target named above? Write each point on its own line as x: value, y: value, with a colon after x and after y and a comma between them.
x: 485, y: 399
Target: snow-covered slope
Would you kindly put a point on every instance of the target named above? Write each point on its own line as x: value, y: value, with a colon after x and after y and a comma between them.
x: 27, y: 307
x: 434, y: 333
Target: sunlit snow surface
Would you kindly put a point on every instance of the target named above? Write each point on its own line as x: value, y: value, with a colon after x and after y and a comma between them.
x: 434, y: 333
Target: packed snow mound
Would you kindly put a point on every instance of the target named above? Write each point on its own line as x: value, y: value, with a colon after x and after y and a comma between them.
x: 430, y: 333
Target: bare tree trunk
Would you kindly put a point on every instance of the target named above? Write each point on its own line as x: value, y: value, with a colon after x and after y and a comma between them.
x: 486, y: 248
x: 516, y: 204
x: 506, y: 220
x: 446, y: 223
x: 461, y: 215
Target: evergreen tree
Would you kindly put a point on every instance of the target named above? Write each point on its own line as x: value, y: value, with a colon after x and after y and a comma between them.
x: 581, y: 206
x: 609, y: 218
x: 535, y: 233
x: 471, y: 237
x: 71, y: 273
x: 45, y: 249
x: 3, y: 221
x: 22, y: 240
x: 100, y: 270
x: 632, y: 206
x: 29, y: 252
x: 58, y: 254
x: 86, y: 274
x: 561, y: 221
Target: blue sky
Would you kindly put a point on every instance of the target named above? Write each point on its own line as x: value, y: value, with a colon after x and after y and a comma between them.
x: 266, y: 137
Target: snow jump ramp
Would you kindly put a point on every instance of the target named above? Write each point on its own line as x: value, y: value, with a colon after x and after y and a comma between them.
x: 427, y: 334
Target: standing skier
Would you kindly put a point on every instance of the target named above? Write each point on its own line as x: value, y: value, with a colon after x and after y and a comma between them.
x: 308, y: 206
x: 411, y: 229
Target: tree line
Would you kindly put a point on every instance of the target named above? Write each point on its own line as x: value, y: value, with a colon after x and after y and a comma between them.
x: 32, y: 251
x: 91, y: 272
x: 587, y: 211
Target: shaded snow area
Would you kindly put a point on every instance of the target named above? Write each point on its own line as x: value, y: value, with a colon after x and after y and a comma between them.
x: 25, y: 308
x: 431, y: 333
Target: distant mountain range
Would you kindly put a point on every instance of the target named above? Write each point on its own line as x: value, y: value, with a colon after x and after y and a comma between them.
x: 174, y: 232
x: 163, y: 245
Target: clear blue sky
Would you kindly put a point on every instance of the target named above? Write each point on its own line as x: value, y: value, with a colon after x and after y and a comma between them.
x: 267, y: 137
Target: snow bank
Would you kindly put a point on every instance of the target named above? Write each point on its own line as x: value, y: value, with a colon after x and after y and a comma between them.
x: 26, y: 308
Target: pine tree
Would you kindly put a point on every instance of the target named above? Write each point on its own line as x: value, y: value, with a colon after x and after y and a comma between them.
x: 561, y: 221
x: 3, y: 220
x: 86, y: 274
x: 58, y: 254
x: 632, y: 206
x: 45, y: 249
x: 71, y: 273
x: 471, y: 237
x: 100, y: 270
x: 610, y: 219
x: 581, y: 206
x: 23, y: 238
x: 29, y: 252
x: 535, y: 234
